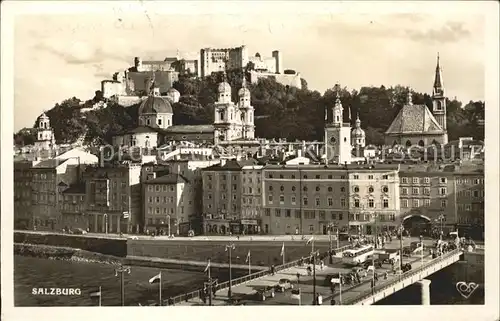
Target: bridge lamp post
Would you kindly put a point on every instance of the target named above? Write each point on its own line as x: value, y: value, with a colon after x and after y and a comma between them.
x: 121, y: 270
x: 229, y: 249
x: 401, y: 246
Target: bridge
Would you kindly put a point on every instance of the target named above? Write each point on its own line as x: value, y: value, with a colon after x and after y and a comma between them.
x: 358, y: 294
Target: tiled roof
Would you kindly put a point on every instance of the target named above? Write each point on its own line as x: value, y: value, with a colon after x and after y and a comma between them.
x: 414, y: 119
x: 50, y: 163
x: 75, y: 189
x: 167, y: 179
x: 232, y: 165
x: 181, y: 129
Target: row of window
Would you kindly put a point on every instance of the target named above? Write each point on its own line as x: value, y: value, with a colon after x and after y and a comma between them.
x: 426, y: 191
x: 156, y: 199
x: 343, y: 202
x: 223, y: 177
x: 405, y: 203
x: 223, y: 207
x: 250, y: 180
x: 442, y: 180
x: 369, y: 217
x: 223, y: 186
x: 308, y: 214
x: 159, y: 188
x: 467, y: 181
x: 469, y: 207
x: 158, y: 210
x: 354, y: 176
x: 469, y: 193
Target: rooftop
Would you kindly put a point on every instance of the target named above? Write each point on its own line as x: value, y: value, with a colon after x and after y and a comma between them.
x: 414, y: 119
x: 168, y: 179
x: 50, y: 163
x: 190, y: 129
x: 464, y: 168
x: 349, y: 167
x: 232, y: 165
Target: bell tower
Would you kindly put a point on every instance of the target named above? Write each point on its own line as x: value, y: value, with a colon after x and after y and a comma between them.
x: 337, y: 136
x: 439, y: 99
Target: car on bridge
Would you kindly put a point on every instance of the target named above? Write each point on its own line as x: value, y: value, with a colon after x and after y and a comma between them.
x: 265, y: 292
x: 359, y: 270
x: 283, y: 285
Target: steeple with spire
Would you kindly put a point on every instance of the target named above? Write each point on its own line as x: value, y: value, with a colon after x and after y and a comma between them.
x: 438, y: 97
x: 337, y: 135
x: 337, y: 110
x: 357, y: 134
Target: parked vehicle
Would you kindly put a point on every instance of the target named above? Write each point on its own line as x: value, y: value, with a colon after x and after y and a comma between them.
x: 359, y: 270
x: 389, y: 256
x: 78, y: 231
x: 265, y: 293
x: 357, y: 256
x: 334, y: 276
x: 283, y: 285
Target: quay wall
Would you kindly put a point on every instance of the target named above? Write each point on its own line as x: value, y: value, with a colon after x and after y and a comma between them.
x: 108, y: 246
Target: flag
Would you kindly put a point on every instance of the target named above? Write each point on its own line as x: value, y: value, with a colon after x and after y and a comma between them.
x: 154, y: 278
x: 295, y: 294
x: 248, y: 257
x: 282, y: 249
x: 310, y: 240
x: 95, y: 294
x: 208, y: 266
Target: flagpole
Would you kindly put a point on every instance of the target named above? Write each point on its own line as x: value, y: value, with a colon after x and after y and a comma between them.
x: 160, y: 290
x: 209, y: 285
x: 249, y: 264
x: 283, y: 253
x: 340, y: 291
x: 100, y: 295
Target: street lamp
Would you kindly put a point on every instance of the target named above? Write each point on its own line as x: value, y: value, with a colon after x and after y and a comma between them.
x: 121, y: 270
x: 228, y: 249
x: 106, y: 223
x: 441, y: 218
x: 168, y: 222
x: 401, y: 246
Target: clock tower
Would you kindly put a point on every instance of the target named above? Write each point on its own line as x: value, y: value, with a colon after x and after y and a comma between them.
x: 337, y: 136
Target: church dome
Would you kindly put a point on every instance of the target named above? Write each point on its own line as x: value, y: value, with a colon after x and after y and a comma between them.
x: 155, y: 105
x: 224, y: 87
x: 243, y: 92
x: 358, y: 132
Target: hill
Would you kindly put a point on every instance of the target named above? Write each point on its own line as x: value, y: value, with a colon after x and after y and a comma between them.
x: 280, y: 111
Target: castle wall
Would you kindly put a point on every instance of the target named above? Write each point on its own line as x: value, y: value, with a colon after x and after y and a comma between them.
x: 163, y: 80
x: 284, y: 79
x: 111, y: 88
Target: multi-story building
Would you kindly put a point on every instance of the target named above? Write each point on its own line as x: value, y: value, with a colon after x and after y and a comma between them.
x: 222, y: 196
x: 447, y: 196
x: 312, y: 199
x: 113, y: 197
x: 72, y: 205
x: 164, y: 204
x: 251, y: 198
x: 23, y: 215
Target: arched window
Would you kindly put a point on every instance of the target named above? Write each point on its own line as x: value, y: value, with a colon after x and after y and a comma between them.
x: 408, y: 143
x: 439, y: 106
x: 421, y: 143
x: 221, y: 115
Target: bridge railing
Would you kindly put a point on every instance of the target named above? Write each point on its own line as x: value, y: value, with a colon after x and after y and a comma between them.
x: 195, y: 294
x: 404, y: 276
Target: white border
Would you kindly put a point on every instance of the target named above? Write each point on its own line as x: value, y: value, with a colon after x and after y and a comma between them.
x: 487, y: 312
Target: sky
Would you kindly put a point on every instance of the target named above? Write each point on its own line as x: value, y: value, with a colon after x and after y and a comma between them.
x: 58, y: 56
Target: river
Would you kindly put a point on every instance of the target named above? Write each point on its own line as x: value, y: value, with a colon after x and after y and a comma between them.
x: 32, y: 273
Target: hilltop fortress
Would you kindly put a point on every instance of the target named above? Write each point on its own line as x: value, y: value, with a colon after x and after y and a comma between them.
x: 131, y: 86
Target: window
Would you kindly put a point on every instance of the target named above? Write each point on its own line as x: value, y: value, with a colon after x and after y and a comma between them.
x: 330, y: 189
x: 311, y: 228
x: 334, y: 216
x: 415, y: 191
x: 282, y: 199
x: 330, y: 201
x: 476, y: 181
x: 427, y: 202
x: 342, y: 202
x: 427, y: 180
x: 355, y: 176
x: 404, y: 191
x: 330, y: 176
x: 371, y: 203
x: 305, y: 201
x: 305, y: 189
x: 442, y: 191
x: 341, y: 216
x: 281, y: 176
x: 270, y: 175
x: 250, y: 191
x: 151, y: 188
x: 318, y: 201
x: 444, y: 203
x: 293, y: 188
x: 356, y: 203
x: 468, y: 207
x: 305, y: 176
x: 442, y: 180
x: 356, y: 189
x: 321, y: 215
x: 293, y: 176
x: 268, y: 212
x: 416, y: 203
x: 317, y: 188
x: 415, y: 180
x: 288, y: 213
x: 476, y: 193
x: 385, y: 176
x: 277, y: 212
x: 370, y: 176
x: 150, y: 199
x: 270, y: 188
x: 234, y: 187
x: 293, y: 200
x: 370, y: 189
x: 404, y: 180
x: 157, y: 199
x: 404, y: 203
x: 270, y: 199
x: 385, y: 189
x: 386, y: 203
x: 318, y: 177
x: 282, y: 188
x: 427, y: 191
x: 297, y: 214
x: 342, y: 189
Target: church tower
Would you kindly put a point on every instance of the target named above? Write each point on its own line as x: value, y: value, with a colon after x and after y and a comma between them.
x: 439, y: 99
x: 225, y: 114
x: 45, y: 136
x: 246, y: 111
x: 337, y: 136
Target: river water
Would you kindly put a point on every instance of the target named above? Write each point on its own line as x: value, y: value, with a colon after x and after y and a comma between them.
x: 36, y: 273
